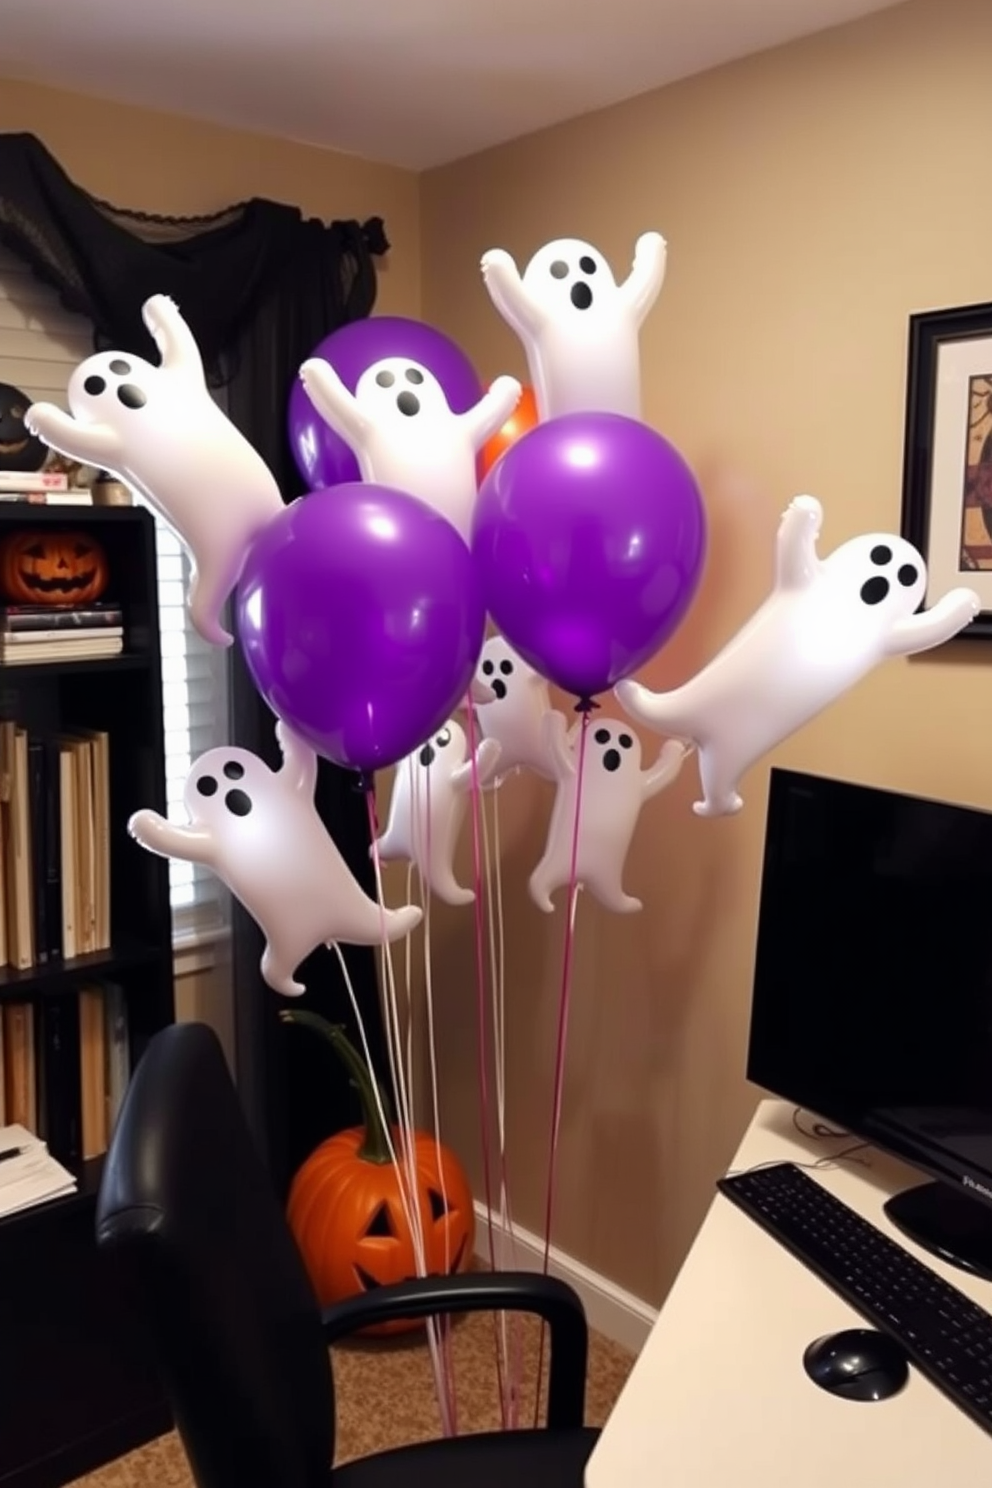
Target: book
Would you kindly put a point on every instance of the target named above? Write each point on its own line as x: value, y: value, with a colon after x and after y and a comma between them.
x: 67, y: 848
x: 33, y: 480
x: 37, y: 820
x: 93, y: 1059
x: 79, y: 647
x: 60, y: 1074
x: 19, y: 1064
x: 42, y: 619
x: 117, y: 1050
x: 23, y: 885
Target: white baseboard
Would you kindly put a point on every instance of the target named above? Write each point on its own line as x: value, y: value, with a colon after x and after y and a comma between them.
x: 610, y: 1310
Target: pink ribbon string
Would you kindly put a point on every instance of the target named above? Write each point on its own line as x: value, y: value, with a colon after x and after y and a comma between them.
x: 562, y: 1040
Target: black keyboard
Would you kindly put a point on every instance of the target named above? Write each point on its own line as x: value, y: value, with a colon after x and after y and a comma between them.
x: 946, y: 1335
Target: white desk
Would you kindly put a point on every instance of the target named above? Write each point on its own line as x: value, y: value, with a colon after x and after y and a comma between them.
x: 719, y: 1398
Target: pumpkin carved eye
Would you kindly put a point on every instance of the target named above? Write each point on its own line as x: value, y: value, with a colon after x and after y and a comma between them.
x: 381, y: 1224
x: 438, y: 1206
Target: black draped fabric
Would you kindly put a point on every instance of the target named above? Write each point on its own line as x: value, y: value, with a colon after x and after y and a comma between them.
x: 260, y: 286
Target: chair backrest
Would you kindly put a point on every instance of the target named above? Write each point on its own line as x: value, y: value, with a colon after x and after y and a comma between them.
x: 187, y: 1208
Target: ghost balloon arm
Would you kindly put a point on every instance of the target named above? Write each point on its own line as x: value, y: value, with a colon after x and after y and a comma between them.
x: 486, y: 761
x: 508, y: 292
x: 554, y: 730
x: 175, y: 341
x: 665, y: 768
x: 641, y: 287
x: 332, y: 400
x: 492, y: 410
x: 171, y: 839
x: 94, y: 444
x: 299, y: 761
x: 796, y: 558
x: 933, y: 627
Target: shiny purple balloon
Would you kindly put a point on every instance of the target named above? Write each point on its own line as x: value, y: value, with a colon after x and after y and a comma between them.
x: 361, y: 621
x: 590, y: 538
x: 322, y: 457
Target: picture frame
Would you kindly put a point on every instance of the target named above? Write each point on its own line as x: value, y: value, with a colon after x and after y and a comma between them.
x: 947, y: 455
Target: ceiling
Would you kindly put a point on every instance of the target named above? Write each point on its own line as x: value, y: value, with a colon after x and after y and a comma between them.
x: 413, y: 82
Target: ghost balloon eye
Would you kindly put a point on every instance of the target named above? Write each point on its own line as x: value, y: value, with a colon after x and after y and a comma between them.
x: 95, y: 386
x: 625, y: 741
x: 234, y: 769
x: 414, y: 375
x: 587, y: 264
x: 506, y: 667
x: 559, y: 269
x: 384, y: 379
x: 206, y: 785
x: 444, y: 738
x: 488, y: 668
x: 602, y: 736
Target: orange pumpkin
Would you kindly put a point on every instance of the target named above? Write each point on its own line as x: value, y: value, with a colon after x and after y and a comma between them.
x: 346, y: 1207
x: 38, y: 567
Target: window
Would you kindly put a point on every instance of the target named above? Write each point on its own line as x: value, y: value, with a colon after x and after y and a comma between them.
x: 40, y: 344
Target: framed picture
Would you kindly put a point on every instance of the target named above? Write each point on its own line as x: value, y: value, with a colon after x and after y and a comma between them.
x: 947, y: 460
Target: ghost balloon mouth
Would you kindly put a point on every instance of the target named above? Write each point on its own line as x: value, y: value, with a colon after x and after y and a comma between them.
x: 580, y: 295
x: 499, y: 688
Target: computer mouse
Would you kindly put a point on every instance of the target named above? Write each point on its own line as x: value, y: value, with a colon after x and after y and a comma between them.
x: 858, y: 1363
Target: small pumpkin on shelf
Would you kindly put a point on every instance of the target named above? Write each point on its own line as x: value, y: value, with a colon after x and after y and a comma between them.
x: 38, y: 567
x: 346, y: 1209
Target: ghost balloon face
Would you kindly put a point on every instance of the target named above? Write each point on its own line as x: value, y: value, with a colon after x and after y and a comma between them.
x: 399, y: 389
x: 403, y: 433
x: 160, y: 431
x: 258, y: 830
x: 578, y: 326
x: 427, y: 808
x: 572, y: 278
x: 515, y: 716
x: 614, y: 788
x: 826, y: 625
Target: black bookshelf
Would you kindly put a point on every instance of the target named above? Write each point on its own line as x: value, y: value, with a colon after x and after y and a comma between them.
x: 78, y: 1386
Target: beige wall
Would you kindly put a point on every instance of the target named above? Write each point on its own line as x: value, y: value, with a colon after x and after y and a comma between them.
x: 812, y: 197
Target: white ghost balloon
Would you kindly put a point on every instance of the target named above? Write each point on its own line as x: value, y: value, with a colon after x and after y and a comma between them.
x: 258, y: 830
x: 404, y: 435
x: 578, y: 327
x: 159, y: 431
x: 614, y: 788
x: 430, y: 792
x: 513, y: 714
x: 826, y: 624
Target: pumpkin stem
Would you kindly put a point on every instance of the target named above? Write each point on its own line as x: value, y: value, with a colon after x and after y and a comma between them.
x: 375, y: 1144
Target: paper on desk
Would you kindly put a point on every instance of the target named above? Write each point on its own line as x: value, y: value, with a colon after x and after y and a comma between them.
x: 32, y: 1177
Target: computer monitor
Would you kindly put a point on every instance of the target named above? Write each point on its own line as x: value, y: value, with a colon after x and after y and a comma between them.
x: 872, y: 1001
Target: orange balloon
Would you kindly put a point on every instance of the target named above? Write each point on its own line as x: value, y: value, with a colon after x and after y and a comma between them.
x: 521, y: 420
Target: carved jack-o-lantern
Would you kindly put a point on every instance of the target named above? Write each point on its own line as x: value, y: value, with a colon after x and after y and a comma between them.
x: 346, y: 1207
x: 52, y: 568
x: 19, y: 450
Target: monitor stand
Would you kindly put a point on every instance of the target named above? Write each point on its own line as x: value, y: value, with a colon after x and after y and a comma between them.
x: 948, y: 1223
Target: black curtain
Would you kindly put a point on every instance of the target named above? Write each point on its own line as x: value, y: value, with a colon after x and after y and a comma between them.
x: 259, y: 285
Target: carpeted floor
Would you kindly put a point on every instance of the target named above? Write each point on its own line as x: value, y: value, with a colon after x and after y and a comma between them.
x: 397, y: 1373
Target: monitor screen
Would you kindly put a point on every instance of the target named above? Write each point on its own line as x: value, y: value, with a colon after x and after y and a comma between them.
x: 872, y: 1001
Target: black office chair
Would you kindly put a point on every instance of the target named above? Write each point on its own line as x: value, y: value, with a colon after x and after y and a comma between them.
x: 188, y: 1212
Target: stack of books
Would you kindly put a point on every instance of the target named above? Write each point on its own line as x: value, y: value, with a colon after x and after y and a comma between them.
x: 54, y: 845
x: 42, y: 488
x: 40, y: 633
x: 28, y: 1174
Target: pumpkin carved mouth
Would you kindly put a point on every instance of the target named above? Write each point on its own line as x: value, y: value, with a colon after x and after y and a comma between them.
x: 370, y: 1284
x: 13, y: 446
x: 60, y: 584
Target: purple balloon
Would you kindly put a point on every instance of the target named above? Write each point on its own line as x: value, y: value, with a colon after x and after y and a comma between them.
x: 322, y: 457
x: 361, y: 621
x: 590, y: 537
